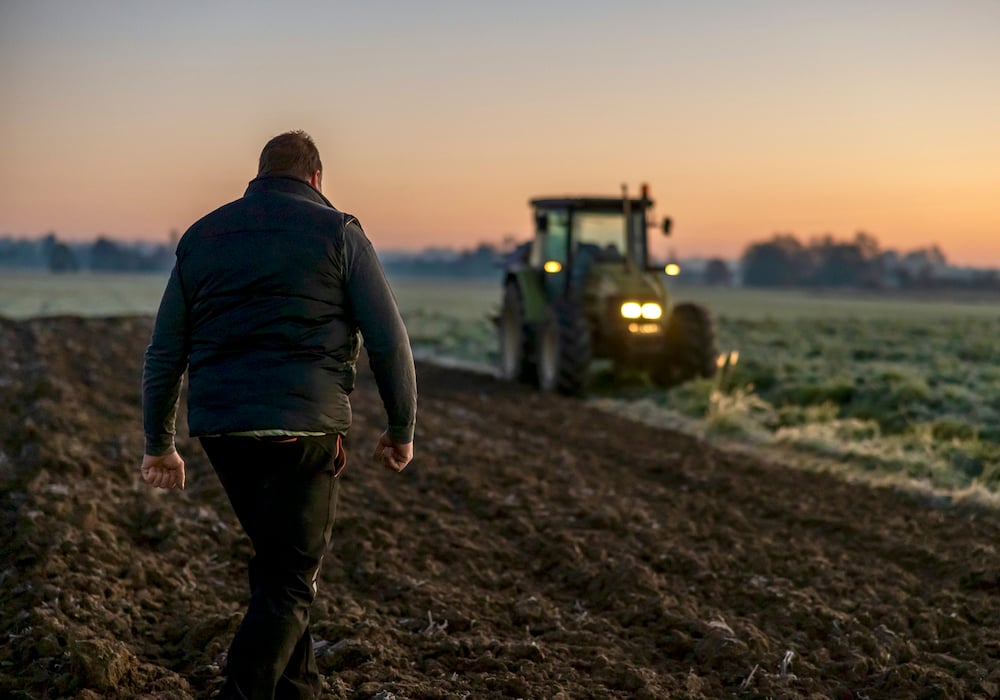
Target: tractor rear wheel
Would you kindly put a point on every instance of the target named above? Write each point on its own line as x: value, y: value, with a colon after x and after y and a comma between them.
x: 564, y: 351
x: 690, y: 348
x: 515, y: 363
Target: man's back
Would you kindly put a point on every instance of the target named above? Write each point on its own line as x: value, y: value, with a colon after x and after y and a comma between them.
x: 264, y: 308
x: 273, y: 340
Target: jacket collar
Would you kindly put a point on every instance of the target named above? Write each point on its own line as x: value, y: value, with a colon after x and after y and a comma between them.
x: 287, y: 185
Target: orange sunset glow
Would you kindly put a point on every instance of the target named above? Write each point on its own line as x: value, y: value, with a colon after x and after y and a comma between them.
x: 438, y: 121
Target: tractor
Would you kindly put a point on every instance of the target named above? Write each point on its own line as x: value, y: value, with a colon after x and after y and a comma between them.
x: 583, y: 289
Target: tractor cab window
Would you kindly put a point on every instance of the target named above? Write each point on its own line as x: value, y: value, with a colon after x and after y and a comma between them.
x: 550, y: 251
x: 551, y: 243
x: 599, y: 236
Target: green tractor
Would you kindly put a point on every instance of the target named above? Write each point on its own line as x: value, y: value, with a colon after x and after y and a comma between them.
x: 583, y: 290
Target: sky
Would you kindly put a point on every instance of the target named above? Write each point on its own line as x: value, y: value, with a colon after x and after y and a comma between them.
x: 438, y: 120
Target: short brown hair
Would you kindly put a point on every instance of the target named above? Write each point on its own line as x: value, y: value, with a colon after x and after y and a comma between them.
x: 292, y: 154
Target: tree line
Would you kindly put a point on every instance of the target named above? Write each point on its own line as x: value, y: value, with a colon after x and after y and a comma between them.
x: 785, y: 261
x: 781, y: 261
x: 482, y: 261
x: 103, y: 254
x: 107, y: 255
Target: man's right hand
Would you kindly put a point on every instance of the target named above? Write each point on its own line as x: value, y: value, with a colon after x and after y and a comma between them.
x: 393, y: 455
x: 163, y: 471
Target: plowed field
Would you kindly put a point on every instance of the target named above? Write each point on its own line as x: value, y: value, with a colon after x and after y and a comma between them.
x: 535, y: 548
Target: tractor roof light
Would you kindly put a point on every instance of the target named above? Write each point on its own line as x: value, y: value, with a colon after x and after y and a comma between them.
x: 672, y: 270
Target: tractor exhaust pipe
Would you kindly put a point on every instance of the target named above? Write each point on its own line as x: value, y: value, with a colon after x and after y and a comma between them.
x: 627, y: 209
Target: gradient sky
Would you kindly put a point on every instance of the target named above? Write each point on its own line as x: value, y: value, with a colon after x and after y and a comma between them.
x: 438, y: 120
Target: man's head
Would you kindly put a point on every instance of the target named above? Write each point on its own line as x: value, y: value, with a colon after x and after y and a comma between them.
x: 292, y: 154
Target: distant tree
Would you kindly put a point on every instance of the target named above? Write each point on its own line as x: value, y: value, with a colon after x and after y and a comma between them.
x: 868, y: 244
x: 47, y: 243
x: 49, y: 239
x: 62, y: 258
x: 919, y: 268
x: 856, y: 263
x: 480, y: 261
x: 780, y: 262
x: 717, y: 272
x: 162, y: 258
x: 932, y: 257
x: 107, y: 255
x: 903, y: 276
x: 987, y: 279
x: 21, y: 252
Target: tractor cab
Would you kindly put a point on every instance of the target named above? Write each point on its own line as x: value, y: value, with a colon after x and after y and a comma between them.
x: 574, y: 233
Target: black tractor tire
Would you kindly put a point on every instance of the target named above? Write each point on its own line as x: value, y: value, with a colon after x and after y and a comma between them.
x: 690, y: 349
x: 563, y: 349
x: 516, y: 363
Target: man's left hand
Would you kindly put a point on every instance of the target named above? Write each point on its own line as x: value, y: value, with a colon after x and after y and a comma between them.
x: 163, y: 471
x: 393, y: 455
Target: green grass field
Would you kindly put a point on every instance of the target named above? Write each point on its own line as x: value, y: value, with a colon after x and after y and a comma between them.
x: 28, y: 293
x: 879, y: 387
x: 882, y: 388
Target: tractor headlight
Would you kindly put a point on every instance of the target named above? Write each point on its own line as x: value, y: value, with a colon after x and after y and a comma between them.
x: 649, y: 310
x: 631, y: 309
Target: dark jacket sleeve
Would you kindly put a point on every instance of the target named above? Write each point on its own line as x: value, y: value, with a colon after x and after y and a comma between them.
x: 163, y: 368
x: 384, y: 334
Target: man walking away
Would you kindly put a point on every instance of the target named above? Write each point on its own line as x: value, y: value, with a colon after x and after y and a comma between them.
x: 265, y: 308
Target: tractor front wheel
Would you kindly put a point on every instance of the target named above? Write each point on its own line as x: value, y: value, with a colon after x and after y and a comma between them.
x: 514, y: 338
x: 564, y: 351
x: 690, y: 348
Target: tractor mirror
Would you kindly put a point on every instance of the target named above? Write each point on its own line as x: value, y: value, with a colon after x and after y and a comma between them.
x: 541, y: 222
x: 667, y: 223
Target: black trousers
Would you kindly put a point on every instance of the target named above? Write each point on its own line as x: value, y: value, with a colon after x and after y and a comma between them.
x: 282, y: 491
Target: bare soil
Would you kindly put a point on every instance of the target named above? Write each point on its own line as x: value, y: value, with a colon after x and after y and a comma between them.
x: 535, y: 548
